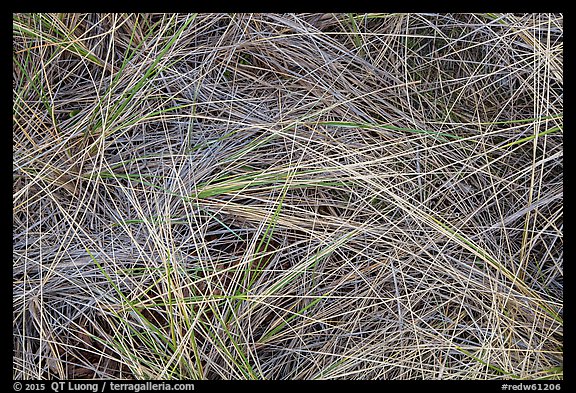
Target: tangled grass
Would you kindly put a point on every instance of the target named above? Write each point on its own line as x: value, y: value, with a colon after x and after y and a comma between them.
x: 266, y: 196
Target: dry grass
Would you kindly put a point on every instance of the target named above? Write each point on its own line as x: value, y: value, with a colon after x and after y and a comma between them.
x: 288, y: 196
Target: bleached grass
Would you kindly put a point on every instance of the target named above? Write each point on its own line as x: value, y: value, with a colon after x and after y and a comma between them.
x: 306, y: 196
